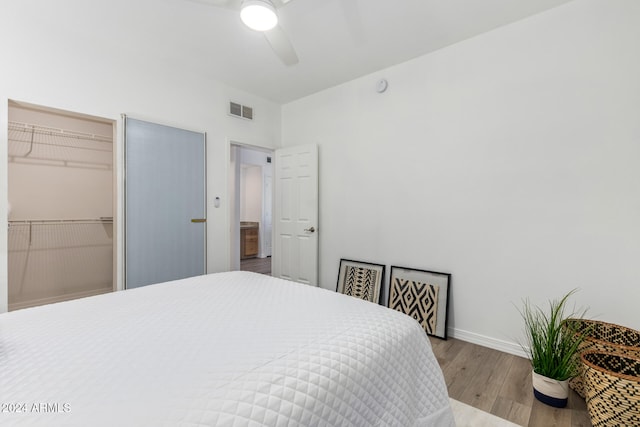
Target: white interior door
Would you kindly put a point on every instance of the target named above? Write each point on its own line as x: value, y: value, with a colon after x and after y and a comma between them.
x: 295, y: 246
x: 165, y: 209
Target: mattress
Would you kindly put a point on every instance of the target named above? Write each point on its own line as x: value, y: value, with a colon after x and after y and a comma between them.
x: 226, y: 349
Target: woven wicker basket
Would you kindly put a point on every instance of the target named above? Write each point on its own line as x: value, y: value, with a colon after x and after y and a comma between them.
x: 605, y: 338
x: 612, y: 385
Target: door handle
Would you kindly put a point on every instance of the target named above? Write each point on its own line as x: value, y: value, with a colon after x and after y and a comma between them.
x: 310, y: 229
x: 198, y: 220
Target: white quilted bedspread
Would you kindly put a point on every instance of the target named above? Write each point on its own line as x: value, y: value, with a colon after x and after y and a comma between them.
x: 227, y: 349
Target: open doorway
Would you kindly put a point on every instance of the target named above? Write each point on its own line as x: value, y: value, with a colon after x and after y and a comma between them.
x: 61, y: 204
x: 251, y: 191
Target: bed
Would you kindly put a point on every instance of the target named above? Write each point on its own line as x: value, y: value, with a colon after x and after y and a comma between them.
x: 226, y: 349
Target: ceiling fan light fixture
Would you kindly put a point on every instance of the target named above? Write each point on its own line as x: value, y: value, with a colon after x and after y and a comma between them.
x: 259, y: 15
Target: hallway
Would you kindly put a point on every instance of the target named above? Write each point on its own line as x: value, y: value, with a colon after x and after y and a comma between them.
x: 257, y: 265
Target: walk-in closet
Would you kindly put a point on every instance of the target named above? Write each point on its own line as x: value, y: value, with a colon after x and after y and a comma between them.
x: 61, y: 205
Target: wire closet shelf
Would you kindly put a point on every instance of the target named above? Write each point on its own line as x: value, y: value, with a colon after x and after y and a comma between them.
x: 58, y: 147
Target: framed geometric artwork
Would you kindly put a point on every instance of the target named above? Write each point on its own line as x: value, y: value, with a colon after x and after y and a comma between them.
x: 360, y: 279
x: 423, y: 295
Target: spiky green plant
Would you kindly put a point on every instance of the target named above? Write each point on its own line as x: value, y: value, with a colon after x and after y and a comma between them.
x: 551, y: 347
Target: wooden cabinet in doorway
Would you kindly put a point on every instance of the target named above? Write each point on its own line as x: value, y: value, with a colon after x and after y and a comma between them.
x: 248, y: 239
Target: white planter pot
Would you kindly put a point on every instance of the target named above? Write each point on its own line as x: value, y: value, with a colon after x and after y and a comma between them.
x: 550, y: 391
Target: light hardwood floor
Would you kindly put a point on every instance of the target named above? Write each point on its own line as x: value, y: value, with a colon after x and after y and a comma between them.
x: 500, y: 383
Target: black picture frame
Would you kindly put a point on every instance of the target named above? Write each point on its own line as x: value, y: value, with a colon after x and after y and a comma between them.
x: 361, y: 279
x: 423, y: 295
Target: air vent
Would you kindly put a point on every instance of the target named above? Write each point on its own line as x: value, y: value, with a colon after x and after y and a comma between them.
x: 235, y: 109
x: 239, y: 110
x: 247, y: 112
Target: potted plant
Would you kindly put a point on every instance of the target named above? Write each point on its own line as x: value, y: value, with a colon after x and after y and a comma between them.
x: 551, y: 347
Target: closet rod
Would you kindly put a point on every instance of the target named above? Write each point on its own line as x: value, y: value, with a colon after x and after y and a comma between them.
x: 61, y: 221
x: 32, y: 142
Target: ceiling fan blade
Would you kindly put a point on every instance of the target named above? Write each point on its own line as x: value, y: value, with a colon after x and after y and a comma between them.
x: 229, y: 4
x: 281, y: 45
x: 279, y: 3
x: 351, y: 13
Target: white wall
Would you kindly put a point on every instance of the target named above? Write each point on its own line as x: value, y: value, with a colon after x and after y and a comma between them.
x: 509, y: 160
x: 251, y: 190
x: 48, y: 61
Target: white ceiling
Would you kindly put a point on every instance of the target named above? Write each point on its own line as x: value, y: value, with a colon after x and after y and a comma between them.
x: 336, y: 40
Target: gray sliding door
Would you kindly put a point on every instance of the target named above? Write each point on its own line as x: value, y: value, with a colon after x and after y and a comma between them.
x: 165, y: 203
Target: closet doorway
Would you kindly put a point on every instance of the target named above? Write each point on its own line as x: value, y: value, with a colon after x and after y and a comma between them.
x: 251, y: 208
x: 61, y: 204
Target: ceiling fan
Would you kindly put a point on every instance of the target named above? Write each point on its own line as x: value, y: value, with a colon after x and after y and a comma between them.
x: 261, y: 15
